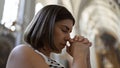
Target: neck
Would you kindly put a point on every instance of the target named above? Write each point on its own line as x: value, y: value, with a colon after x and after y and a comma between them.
x: 45, y: 50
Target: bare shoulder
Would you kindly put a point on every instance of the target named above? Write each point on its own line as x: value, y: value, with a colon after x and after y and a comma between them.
x: 23, y: 56
x: 23, y: 49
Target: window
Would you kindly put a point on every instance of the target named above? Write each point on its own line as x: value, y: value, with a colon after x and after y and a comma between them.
x: 10, y: 13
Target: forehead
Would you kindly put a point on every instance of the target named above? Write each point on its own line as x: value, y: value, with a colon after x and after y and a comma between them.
x: 66, y: 22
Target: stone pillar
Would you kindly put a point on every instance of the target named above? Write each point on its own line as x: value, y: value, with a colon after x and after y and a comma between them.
x: 1, y: 8
x: 25, y: 14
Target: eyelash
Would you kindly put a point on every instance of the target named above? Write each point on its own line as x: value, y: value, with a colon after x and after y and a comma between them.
x: 65, y: 31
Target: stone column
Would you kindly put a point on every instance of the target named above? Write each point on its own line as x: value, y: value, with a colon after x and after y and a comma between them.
x: 1, y: 8
x: 25, y: 14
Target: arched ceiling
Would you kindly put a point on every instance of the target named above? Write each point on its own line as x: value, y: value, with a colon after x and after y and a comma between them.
x: 101, y: 14
x: 92, y: 15
x: 93, y: 18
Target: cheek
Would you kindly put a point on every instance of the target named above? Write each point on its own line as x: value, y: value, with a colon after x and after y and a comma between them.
x: 58, y: 35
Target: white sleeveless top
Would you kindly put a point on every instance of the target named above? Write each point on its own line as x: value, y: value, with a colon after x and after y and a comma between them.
x: 52, y: 63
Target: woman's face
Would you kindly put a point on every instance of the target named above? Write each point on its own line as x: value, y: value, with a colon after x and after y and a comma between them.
x: 61, y: 35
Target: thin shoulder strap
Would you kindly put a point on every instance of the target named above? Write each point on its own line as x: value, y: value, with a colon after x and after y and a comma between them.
x: 46, y: 58
x: 40, y: 53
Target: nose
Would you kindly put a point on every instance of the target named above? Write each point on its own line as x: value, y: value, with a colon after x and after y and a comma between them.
x: 67, y: 37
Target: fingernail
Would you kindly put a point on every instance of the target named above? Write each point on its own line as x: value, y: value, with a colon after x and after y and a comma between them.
x: 76, y: 39
x: 80, y: 39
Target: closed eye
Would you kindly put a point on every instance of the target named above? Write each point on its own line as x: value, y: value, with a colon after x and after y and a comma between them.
x: 65, y: 29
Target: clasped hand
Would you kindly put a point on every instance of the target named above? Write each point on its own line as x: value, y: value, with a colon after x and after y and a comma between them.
x: 79, y: 47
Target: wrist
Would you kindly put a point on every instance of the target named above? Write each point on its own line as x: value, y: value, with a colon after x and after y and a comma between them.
x: 80, y: 62
x: 78, y: 56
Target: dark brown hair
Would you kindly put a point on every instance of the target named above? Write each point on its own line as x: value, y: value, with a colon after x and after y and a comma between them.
x: 40, y: 30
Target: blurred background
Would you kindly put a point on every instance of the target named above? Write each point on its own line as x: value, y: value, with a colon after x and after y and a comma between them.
x: 98, y: 20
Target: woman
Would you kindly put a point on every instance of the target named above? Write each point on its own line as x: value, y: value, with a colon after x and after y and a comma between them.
x: 48, y: 32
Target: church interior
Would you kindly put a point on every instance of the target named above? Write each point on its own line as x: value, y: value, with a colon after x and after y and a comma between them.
x: 98, y: 20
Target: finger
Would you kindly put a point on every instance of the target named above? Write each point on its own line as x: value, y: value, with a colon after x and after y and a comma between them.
x: 76, y: 38
x: 86, y: 41
x: 68, y: 50
x: 81, y: 38
x: 88, y: 58
x: 71, y: 40
x: 89, y: 44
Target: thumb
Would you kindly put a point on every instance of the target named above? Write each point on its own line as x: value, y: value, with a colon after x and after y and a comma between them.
x: 68, y: 48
